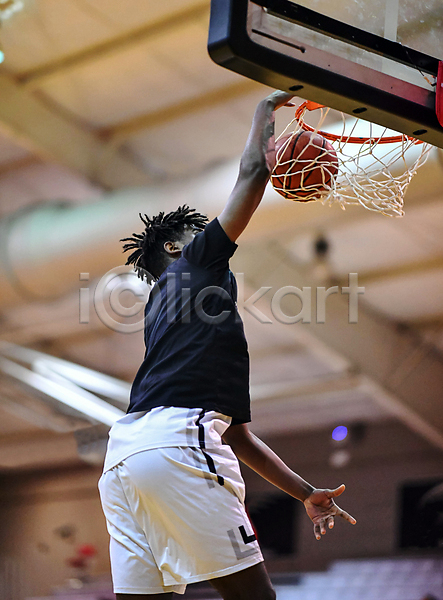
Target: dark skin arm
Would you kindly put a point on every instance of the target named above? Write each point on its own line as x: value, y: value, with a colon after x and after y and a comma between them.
x: 256, y: 164
x: 319, y: 503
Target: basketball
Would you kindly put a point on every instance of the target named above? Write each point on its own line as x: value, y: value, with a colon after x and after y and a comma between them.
x: 306, y: 164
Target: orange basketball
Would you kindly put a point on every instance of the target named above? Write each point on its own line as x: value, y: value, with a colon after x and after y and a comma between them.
x: 305, y: 165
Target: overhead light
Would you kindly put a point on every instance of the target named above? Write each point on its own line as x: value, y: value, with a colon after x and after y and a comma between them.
x: 9, y: 7
x: 339, y: 459
x: 321, y: 268
x: 340, y: 433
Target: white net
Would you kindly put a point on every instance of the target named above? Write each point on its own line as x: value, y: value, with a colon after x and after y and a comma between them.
x: 361, y: 163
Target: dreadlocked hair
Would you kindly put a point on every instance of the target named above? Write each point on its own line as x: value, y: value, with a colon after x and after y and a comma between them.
x: 148, y: 256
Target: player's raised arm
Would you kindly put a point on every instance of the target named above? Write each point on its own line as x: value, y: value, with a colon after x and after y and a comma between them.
x: 256, y: 164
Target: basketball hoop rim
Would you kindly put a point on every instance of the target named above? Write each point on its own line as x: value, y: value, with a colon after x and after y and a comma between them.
x: 309, y: 105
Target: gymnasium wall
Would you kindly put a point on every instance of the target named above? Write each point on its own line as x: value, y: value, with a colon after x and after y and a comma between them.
x: 40, y: 509
x: 383, y: 457
x: 46, y: 518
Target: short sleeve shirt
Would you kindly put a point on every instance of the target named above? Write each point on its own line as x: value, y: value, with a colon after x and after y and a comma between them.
x: 196, y: 352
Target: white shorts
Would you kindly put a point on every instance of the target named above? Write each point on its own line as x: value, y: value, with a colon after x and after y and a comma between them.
x: 176, y: 516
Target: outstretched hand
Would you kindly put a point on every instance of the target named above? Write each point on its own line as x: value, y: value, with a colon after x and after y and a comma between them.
x: 322, y: 510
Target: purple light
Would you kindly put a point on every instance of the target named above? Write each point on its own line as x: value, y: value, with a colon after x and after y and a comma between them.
x: 339, y: 433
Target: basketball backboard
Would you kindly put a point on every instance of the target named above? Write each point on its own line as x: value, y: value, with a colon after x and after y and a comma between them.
x: 374, y: 58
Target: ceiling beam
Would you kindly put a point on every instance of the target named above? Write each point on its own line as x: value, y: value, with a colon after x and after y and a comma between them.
x: 31, y: 409
x: 336, y: 382
x: 60, y: 327
x: 409, y: 268
x: 50, y: 136
x: 72, y: 397
x: 68, y: 373
x: 18, y: 164
x: 165, y: 24
x: 431, y: 322
x: 396, y: 360
x: 121, y: 131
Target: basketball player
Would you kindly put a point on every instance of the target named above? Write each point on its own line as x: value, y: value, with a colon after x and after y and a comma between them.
x: 171, y: 490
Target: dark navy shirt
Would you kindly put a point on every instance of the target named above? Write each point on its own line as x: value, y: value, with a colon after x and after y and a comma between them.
x: 196, y: 352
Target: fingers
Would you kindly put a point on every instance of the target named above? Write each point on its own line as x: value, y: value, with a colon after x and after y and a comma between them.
x: 328, y: 522
x: 344, y: 515
x: 337, y: 492
x: 280, y: 98
x: 322, y: 509
x: 320, y: 527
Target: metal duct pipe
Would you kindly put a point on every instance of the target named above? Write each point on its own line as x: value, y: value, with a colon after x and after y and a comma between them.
x: 43, y: 250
